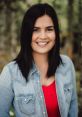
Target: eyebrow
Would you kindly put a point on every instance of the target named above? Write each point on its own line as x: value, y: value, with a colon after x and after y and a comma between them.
x: 45, y: 27
x: 50, y: 27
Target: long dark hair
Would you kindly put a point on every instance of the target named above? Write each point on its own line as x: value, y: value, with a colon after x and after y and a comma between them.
x: 25, y: 58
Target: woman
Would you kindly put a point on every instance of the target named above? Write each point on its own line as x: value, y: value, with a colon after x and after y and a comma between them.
x: 39, y: 82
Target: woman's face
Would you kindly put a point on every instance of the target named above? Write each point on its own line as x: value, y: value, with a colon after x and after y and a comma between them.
x: 43, y: 37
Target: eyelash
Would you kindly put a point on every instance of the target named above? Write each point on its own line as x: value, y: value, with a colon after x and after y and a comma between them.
x: 50, y: 29
x: 35, y: 29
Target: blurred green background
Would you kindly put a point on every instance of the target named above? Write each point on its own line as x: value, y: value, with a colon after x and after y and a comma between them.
x: 70, y: 22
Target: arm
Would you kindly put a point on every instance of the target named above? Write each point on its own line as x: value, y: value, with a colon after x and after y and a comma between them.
x: 6, y: 93
x: 73, y: 111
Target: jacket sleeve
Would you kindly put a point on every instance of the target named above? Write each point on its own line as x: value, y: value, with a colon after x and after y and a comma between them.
x: 73, y: 110
x: 6, y: 92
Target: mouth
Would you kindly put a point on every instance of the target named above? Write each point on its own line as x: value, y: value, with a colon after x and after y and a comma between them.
x: 42, y: 44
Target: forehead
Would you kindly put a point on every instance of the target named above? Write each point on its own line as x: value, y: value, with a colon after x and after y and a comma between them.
x: 44, y: 20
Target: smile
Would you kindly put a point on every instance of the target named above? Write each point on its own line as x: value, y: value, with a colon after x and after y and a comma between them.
x: 42, y: 44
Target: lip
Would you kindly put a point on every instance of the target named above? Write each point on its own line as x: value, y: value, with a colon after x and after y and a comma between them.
x: 42, y: 43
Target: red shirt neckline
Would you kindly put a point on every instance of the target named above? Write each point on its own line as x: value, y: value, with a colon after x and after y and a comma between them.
x: 51, y: 101
x: 47, y: 86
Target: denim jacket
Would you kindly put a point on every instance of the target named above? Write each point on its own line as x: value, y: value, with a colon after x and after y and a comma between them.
x: 27, y: 97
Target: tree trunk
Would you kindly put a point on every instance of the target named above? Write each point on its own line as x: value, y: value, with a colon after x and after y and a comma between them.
x: 70, y: 15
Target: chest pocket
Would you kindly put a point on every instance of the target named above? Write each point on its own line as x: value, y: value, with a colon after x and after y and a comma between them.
x: 26, y: 104
x: 68, y: 92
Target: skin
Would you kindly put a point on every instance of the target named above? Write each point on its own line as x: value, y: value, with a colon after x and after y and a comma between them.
x: 43, y: 40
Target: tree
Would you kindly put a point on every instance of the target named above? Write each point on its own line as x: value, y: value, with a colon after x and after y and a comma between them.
x: 70, y: 15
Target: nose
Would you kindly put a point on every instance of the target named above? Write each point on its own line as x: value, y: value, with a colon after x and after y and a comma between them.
x: 43, y: 34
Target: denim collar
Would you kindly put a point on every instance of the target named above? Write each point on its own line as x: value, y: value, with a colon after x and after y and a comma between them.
x: 34, y: 69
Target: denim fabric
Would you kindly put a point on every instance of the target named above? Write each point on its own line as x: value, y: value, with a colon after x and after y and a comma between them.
x: 27, y: 99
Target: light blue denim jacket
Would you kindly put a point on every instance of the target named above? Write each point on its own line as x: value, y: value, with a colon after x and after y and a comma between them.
x: 28, y: 99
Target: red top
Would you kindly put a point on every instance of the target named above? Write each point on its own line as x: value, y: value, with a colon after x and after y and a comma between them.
x: 51, y: 100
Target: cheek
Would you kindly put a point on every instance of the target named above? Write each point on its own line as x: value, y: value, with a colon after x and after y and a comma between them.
x: 32, y: 44
x: 53, y: 39
x: 53, y: 36
x: 34, y: 37
x: 53, y: 43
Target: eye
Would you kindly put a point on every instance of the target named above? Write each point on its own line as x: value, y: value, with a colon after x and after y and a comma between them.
x: 36, y: 30
x: 50, y: 29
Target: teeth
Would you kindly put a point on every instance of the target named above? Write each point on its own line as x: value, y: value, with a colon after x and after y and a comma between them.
x: 42, y: 43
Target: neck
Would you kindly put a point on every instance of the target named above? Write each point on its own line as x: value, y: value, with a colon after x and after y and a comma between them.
x: 41, y: 61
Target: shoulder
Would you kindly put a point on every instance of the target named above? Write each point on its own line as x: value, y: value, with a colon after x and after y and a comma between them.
x: 66, y: 64
x: 9, y: 69
x: 65, y: 59
x: 10, y: 66
x: 11, y: 73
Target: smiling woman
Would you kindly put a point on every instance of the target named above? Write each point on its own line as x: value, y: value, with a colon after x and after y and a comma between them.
x: 39, y: 82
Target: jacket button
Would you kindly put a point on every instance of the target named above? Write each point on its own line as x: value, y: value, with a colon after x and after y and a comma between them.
x: 44, y: 113
x: 38, y: 81
x: 25, y: 99
x: 41, y: 96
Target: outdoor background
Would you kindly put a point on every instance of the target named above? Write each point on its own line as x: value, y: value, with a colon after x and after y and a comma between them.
x: 70, y: 22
